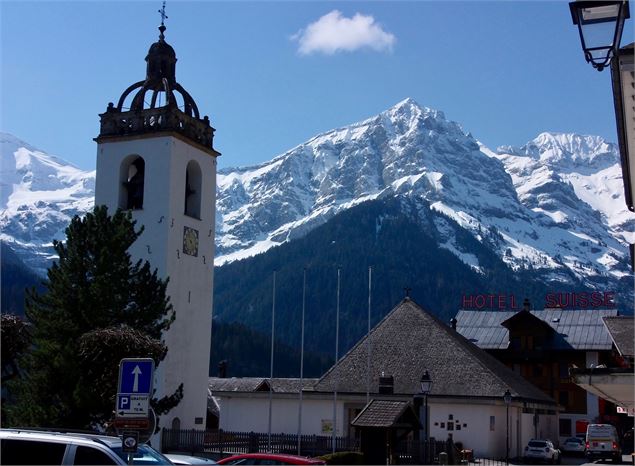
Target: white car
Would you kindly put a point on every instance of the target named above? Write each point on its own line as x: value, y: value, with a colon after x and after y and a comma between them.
x: 22, y: 446
x: 541, y: 450
x: 573, y: 445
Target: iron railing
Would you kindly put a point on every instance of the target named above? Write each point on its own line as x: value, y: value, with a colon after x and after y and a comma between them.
x: 221, y: 442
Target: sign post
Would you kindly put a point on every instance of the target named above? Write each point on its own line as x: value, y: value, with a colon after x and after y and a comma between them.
x: 134, y: 390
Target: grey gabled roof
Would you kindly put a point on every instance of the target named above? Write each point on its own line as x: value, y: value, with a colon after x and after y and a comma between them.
x: 384, y: 414
x: 579, y: 329
x: 256, y: 384
x: 622, y: 333
x: 409, y: 341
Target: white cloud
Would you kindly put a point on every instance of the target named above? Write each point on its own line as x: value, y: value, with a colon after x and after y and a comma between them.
x: 335, y: 33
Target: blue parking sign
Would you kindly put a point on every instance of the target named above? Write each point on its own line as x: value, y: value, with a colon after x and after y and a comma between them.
x: 123, y: 402
x: 136, y: 376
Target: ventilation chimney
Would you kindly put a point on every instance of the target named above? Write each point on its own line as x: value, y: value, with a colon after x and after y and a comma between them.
x: 453, y: 322
x: 386, y: 384
x: 222, y: 369
x: 526, y: 305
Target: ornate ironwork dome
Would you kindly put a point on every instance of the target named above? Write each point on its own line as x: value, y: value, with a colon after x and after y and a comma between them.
x: 158, y: 103
x: 160, y: 78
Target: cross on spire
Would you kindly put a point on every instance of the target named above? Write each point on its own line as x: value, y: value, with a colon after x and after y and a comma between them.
x: 162, y: 13
x: 163, y: 18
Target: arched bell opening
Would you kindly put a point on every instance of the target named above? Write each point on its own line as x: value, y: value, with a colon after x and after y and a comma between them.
x: 132, y: 183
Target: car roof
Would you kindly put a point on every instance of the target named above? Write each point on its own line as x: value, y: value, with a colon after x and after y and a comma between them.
x: 47, y: 434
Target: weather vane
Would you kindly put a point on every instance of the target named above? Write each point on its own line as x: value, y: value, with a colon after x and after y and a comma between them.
x: 162, y: 13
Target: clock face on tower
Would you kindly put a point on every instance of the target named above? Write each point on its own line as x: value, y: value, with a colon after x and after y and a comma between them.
x: 190, y: 241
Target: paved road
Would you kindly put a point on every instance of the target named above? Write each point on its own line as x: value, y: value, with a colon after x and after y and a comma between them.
x: 576, y: 460
x: 580, y: 460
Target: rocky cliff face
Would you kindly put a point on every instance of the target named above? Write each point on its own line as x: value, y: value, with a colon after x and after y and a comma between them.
x: 556, y: 203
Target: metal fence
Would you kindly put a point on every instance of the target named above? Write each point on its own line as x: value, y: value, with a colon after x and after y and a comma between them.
x: 425, y: 452
x: 221, y: 442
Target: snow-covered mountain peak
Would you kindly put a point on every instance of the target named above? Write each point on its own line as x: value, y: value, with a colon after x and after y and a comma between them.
x: 27, y: 171
x: 40, y: 193
x: 554, y: 204
x: 410, y: 108
x: 407, y: 116
x: 567, y: 150
x: 10, y: 143
x: 571, y: 178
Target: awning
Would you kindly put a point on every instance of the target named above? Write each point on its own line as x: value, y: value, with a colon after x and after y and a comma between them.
x: 614, y: 385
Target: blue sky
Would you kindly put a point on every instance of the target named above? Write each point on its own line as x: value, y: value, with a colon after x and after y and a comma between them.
x: 270, y: 75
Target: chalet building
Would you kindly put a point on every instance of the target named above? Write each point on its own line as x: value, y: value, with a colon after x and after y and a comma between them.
x: 542, y: 346
x: 465, y: 401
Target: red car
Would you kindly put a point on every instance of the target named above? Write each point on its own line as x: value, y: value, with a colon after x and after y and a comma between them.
x: 269, y: 458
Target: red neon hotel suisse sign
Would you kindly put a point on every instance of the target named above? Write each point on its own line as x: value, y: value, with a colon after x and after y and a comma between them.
x: 562, y: 300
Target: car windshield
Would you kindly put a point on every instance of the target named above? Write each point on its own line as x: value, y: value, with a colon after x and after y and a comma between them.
x: 144, y: 455
x: 574, y: 440
x: 536, y: 444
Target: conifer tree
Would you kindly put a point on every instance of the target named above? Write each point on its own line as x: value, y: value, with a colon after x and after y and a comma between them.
x: 93, y: 287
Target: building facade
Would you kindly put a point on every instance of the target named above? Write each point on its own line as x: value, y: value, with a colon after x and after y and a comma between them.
x: 465, y: 401
x: 542, y: 346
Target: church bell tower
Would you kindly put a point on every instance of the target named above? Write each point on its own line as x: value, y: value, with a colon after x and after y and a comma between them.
x: 156, y: 158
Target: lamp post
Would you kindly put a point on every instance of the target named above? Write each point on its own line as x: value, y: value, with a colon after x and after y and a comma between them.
x: 600, y: 24
x: 507, y: 397
x: 426, y: 385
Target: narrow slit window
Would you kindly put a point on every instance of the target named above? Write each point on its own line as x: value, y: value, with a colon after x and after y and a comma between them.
x: 193, y: 185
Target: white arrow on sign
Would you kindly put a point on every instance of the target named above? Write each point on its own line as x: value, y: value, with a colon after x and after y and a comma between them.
x: 136, y: 372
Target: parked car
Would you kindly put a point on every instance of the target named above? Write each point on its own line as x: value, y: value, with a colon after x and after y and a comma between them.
x: 269, y: 458
x: 541, y: 450
x: 177, y: 458
x: 37, y: 447
x: 573, y: 445
x: 602, y: 443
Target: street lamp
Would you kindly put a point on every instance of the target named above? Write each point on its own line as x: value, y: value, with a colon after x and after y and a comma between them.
x: 507, y: 397
x: 426, y: 385
x: 600, y: 24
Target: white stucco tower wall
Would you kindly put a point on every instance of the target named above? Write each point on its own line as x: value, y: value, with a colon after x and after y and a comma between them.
x: 155, y: 158
x: 190, y: 276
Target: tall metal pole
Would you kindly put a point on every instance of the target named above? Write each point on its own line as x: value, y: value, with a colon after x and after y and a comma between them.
x: 418, y: 405
x: 337, y: 340
x: 368, y: 375
x: 507, y: 398
x: 425, y: 429
x: 273, y: 328
x: 301, y: 362
x: 507, y: 436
